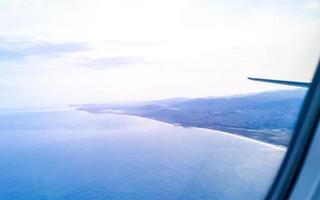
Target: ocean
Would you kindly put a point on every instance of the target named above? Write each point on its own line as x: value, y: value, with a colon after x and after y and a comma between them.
x: 73, y: 155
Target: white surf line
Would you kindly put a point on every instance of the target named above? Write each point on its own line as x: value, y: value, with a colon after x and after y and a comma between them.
x: 276, y: 147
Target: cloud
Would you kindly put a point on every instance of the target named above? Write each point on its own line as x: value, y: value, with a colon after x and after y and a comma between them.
x: 20, y: 50
x: 126, y: 43
x: 312, y: 5
x: 112, y: 62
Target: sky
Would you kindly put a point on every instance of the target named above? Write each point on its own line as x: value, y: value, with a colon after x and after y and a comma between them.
x: 60, y: 52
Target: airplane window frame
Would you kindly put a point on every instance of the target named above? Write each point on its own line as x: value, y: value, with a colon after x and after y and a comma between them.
x: 300, y: 143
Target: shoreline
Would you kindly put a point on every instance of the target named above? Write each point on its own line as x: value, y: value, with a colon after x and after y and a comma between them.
x: 276, y: 147
x: 273, y: 146
x: 117, y: 112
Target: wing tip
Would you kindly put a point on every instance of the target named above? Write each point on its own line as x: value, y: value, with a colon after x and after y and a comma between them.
x: 282, y: 82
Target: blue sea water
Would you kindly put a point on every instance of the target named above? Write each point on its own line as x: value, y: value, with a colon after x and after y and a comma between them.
x: 74, y: 155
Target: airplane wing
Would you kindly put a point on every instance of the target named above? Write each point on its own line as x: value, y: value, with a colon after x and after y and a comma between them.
x: 291, y: 83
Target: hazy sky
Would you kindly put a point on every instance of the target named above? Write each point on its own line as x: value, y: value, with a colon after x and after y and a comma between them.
x: 86, y: 51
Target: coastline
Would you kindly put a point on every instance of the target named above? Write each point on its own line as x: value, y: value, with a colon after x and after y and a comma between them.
x: 119, y: 112
x: 116, y: 112
x: 276, y: 147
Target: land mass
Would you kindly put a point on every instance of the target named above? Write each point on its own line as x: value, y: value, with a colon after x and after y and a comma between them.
x: 268, y: 116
